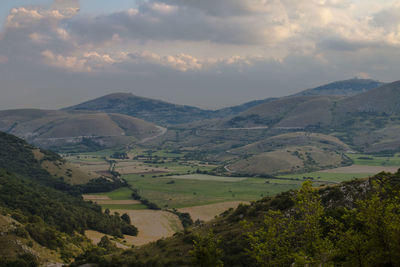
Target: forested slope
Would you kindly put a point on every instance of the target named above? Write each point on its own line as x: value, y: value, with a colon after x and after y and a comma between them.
x: 49, y: 212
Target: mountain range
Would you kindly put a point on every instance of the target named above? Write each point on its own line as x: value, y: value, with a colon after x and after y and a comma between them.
x: 363, y: 115
x: 164, y: 113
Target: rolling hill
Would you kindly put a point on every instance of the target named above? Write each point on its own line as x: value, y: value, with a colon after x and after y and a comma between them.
x: 266, y: 133
x: 152, y: 110
x: 288, y: 112
x: 367, y: 121
x: 384, y: 99
x: 79, y: 130
x: 345, y: 88
x: 296, y: 152
x: 164, y: 113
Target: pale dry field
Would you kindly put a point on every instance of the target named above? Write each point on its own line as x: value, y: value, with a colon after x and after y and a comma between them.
x: 208, y: 212
x: 95, y: 197
x: 205, y: 177
x: 362, y: 169
x: 132, y: 167
x: 95, y: 237
x: 94, y: 166
x: 117, y: 202
x: 152, y: 225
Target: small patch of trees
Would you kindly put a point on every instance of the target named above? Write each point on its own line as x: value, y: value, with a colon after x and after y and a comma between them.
x: 119, y: 155
x: 146, y: 202
x: 206, y: 251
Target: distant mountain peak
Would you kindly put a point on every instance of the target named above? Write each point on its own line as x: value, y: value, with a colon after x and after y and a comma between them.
x: 348, y: 87
x: 157, y: 111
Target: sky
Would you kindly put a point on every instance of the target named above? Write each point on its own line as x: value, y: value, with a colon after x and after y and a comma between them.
x: 208, y: 53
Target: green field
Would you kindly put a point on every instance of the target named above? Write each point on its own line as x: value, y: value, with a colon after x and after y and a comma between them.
x: 119, y: 194
x: 358, y: 159
x: 161, y: 153
x: 328, y: 177
x: 186, y: 192
x: 183, y: 187
x: 363, y: 159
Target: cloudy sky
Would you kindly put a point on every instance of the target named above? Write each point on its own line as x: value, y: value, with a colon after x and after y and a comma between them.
x: 208, y: 53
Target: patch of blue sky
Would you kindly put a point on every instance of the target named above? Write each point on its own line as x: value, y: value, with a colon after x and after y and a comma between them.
x: 98, y: 7
x: 94, y: 7
x: 7, y: 5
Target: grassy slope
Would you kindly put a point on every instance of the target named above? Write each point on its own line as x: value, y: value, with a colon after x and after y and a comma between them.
x: 62, y: 169
x: 193, y: 192
x: 50, y: 128
x: 13, y: 245
x: 289, y: 153
x: 148, y: 109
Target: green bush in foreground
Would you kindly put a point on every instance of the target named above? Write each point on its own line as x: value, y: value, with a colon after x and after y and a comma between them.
x: 307, y: 235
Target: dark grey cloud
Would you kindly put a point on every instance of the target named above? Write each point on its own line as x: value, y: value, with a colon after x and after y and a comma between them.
x: 161, y: 22
x: 347, y: 45
x: 388, y: 19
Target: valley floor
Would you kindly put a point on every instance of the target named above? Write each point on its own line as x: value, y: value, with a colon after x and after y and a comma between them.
x: 169, y: 181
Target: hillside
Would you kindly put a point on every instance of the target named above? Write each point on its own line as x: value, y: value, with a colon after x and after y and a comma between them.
x: 76, y: 130
x: 152, y: 110
x: 50, y: 215
x: 345, y: 88
x: 384, y: 99
x: 344, y: 225
x: 297, y: 152
x: 288, y: 112
x: 367, y: 121
x: 229, y: 111
x: 164, y: 113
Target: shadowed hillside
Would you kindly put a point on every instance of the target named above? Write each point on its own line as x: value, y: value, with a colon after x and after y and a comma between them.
x: 42, y: 217
x: 156, y: 111
x: 288, y: 153
x: 345, y: 88
x: 165, y: 113
x: 80, y: 130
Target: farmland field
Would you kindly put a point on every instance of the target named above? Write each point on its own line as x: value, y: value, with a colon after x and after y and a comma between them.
x: 119, y: 194
x: 370, y: 160
x: 124, y: 206
x: 201, y: 190
x: 329, y: 177
x: 208, y: 212
x: 152, y: 225
x: 169, y: 181
x: 205, y: 177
